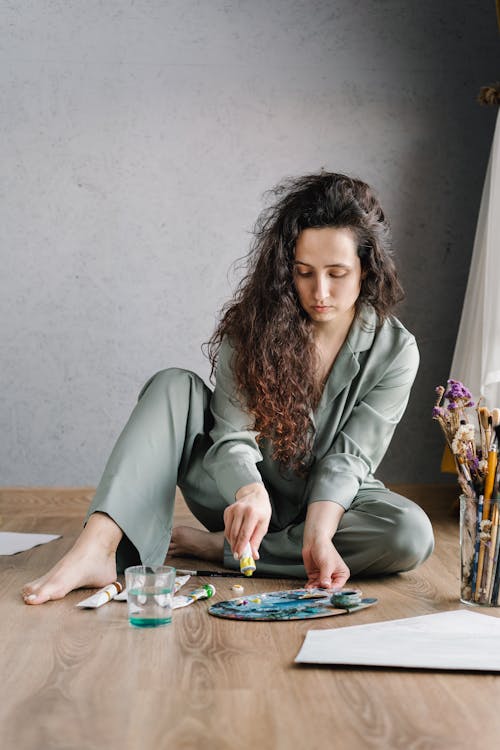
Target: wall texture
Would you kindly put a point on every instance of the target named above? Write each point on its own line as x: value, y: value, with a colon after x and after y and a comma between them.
x: 137, y: 139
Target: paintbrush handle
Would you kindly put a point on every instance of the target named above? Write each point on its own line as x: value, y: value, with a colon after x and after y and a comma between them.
x: 228, y: 574
x: 490, y: 480
x: 491, y: 555
x: 475, y: 587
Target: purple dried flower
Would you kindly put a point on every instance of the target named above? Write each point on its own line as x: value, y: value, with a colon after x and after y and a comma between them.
x: 437, y: 412
x: 457, y: 390
x: 453, y: 393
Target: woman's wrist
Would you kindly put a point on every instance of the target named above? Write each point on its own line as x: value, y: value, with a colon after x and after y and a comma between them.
x: 322, y: 521
x: 249, y: 489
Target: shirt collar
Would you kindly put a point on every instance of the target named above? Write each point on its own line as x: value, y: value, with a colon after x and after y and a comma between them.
x: 362, y: 330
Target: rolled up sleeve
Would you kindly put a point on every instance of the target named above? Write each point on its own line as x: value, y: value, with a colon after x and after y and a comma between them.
x: 364, y: 437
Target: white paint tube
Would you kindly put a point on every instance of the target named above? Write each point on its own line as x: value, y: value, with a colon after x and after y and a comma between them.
x: 103, y: 596
x: 118, y: 593
x: 204, y: 592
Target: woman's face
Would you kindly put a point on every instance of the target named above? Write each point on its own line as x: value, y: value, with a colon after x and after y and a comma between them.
x: 327, y: 273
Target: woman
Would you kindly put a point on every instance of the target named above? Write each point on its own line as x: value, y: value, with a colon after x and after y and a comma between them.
x: 312, y: 376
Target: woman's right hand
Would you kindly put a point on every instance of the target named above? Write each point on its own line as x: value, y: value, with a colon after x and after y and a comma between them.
x: 247, y: 519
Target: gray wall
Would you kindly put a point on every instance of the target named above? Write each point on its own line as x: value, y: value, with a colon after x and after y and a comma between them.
x: 137, y: 140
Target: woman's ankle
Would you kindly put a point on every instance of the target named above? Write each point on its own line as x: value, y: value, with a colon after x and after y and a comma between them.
x: 101, y: 528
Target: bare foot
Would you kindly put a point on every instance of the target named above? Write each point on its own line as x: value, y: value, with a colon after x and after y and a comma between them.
x: 206, y: 545
x: 91, y: 562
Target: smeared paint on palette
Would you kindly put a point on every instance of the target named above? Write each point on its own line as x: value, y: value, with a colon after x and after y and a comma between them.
x: 292, y: 604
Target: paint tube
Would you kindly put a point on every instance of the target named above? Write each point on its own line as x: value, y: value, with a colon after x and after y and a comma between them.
x: 103, y: 596
x: 204, y: 592
x: 247, y: 563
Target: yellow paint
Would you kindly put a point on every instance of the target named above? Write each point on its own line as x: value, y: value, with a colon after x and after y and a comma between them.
x: 247, y: 566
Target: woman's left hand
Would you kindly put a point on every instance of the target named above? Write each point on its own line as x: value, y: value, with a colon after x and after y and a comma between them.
x: 324, y: 566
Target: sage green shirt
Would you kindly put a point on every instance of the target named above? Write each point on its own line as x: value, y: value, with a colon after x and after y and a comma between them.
x: 364, y: 398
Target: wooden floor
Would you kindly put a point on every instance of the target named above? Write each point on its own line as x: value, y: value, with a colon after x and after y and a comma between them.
x: 81, y: 679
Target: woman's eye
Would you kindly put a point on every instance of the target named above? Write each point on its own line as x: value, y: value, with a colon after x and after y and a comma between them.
x: 307, y: 274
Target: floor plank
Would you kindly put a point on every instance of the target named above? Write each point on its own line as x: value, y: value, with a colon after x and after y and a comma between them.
x: 84, y: 679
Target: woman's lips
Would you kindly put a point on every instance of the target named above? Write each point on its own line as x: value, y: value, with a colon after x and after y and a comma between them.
x: 321, y: 308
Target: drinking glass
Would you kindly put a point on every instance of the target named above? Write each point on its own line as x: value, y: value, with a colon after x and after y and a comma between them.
x: 149, y: 594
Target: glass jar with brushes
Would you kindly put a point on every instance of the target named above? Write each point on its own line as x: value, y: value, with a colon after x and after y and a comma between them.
x: 476, y: 461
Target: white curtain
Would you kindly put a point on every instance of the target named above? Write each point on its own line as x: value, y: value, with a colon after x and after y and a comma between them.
x: 476, y: 361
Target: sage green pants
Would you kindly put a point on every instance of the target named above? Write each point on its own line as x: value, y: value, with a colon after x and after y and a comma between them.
x: 163, y: 445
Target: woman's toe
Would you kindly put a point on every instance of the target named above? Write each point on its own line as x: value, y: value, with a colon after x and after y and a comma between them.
x: 30, y: 598
x: 31, y: 594
x: 38, y: 592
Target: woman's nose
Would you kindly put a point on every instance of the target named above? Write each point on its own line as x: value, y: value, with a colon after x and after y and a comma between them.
x: 321, y: 289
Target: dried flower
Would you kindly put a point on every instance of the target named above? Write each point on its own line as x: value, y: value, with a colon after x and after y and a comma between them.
x: 450, y: 410
x: 466, y: 432
x: 457, y: 392
x: 463, y: 436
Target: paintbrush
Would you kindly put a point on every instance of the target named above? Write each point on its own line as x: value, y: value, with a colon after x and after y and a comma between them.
x: 482, y: 572
x: 466, y: 474
x: 475, y: 581
x: 496, y: 577
x: 228, y: 574
x: 491, y: 589
x: 484, y: 415
x: 487, y: 591
x: 496, y: 428
x: 492, y: 467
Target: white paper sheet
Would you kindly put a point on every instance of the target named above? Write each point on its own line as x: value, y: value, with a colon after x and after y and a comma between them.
x: 13, y: 541
x: 459, y: 640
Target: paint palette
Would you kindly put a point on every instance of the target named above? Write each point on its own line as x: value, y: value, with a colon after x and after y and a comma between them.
x: 292, y: 604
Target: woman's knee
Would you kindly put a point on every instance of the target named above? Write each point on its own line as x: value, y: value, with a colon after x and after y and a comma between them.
x: 412, y: 538
x: 172, y: 379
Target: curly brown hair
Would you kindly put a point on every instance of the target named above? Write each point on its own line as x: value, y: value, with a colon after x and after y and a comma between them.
x: 275, y: 358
